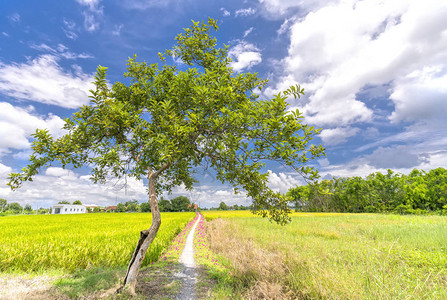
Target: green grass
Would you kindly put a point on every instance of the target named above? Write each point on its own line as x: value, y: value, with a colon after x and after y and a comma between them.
x: 40, y: 243
x: 353, y: 256
x: 85, y: 282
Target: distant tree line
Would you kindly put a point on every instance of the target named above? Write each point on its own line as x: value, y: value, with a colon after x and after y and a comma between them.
x: 14, y: 208
x: 177, y: 204
x: 419, y: 192
x: 224, y: 206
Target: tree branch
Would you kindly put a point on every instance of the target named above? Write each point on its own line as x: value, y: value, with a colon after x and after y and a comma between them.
x: 163, y: 167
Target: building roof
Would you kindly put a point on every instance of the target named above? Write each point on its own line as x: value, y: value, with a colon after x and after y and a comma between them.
x: 69, y: 205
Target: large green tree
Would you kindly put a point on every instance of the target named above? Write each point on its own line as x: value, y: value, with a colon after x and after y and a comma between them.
x: 166, y: 121
x: 180, y: 203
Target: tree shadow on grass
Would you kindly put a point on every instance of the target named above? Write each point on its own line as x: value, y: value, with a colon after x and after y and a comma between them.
x: 90, y: 284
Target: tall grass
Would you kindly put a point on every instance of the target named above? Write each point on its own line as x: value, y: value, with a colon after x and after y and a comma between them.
x: 336, y: 256
x: 70, y: 242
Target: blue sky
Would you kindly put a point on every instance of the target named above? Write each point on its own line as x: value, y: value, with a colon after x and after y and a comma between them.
x: 374, y: 74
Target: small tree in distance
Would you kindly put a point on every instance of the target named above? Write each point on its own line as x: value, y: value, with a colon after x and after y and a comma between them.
x: 223, y: 206
x: 3, y: 204
x: 166, y: 122
x: 28, y: 208
x: 77, y: 202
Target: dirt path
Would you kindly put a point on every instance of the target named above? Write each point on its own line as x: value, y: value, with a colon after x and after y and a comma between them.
x: 188, y: 274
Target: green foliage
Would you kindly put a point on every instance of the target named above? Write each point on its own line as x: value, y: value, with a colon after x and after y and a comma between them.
x: 132, y: 206
x: 77, y: 202
x: 223, y: 206
x: 121, y: 207
x: 180, y: 203
x: 3, y: 204
x: 28, y: 208
x: 164, y: 205
x: 63, y: 202
x: 43, y: 211
x: 145, y: 207
x: 14, y: 207
x: 166, y: 122
x: 416, y: 193
x: 85, y: 282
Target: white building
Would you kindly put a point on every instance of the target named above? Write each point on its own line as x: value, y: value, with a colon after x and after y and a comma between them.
x: 68, y: 209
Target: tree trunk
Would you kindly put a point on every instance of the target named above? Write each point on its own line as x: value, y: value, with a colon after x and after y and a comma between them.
x: 146, y: 238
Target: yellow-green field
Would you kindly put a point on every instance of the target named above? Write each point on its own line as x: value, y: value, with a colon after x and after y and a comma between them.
x: 70, y: 242
x: 334, y: 256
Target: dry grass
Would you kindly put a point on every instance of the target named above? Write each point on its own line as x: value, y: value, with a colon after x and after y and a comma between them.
x: 337, y: 256
x: 259, y: 269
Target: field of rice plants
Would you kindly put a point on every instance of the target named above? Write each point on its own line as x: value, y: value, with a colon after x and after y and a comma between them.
x: 334, y: 256
x: 70, y: 242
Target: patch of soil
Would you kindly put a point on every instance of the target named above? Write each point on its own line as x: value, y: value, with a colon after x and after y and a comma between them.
x: 20, y: 287
x: 155, y: 282
x: 159, y: 283
x: 162, y: 283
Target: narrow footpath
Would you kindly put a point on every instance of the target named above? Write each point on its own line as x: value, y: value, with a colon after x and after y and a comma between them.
x: 188, y: 274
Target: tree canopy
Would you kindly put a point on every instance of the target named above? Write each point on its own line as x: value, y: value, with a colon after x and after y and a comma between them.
x: 180, y: 203
x: 171, y: 121
x: 168, y: 121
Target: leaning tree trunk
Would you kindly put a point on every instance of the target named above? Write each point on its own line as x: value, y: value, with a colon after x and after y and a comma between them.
x: 146, y: 238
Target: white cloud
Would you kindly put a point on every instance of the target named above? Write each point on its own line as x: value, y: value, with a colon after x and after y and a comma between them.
x: 285, y: 26
x: 338, y: 49
x: 399, y: 158
x: 279, y: 8
x: 91, y: 4
x: 69, y: 29
x: 17, y: 124
x: 395, y: 157
x: 421, y: 95
x: 243, y: 12
x: 282, y: 182
x: 225, y: 12
x: 4, y: 171
x: 14, y: 18
x: 248, y: 31
x: 43, y: 80
x: 91, y: 14
x: 117, y: 30
x: 211, y: 196
x: 335, y: 136
x: 425, y: 136
x: 60, y: 50
x: 71, y: 186
x: 145, y: 4
x: 244, y: 56
x: 323, y: 162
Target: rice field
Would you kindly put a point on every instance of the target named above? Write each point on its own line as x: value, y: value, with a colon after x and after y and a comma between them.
x: 70, y: 242
x: 334, y: 256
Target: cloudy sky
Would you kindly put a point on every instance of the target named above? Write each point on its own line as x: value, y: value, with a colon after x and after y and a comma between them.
x: 374, y: 74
